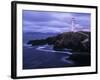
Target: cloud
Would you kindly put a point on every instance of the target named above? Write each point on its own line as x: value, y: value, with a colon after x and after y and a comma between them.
x: 36, y: 16
x: 62, y: 16
x: 46, y: 22
x: 47, y: 28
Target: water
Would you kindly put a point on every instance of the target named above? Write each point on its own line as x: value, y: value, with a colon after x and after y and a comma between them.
x: 37, y: 57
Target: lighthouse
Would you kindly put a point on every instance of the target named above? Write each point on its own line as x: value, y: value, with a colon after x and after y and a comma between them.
x: 73, y: 25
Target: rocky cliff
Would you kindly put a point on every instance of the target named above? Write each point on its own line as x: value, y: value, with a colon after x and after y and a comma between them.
x: 77, y: 41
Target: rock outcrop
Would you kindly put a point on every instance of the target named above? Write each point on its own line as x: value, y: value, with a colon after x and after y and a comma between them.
x: 77, y: 41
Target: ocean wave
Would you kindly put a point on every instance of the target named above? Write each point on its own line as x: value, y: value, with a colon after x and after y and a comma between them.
x: 47, y: 48
x: 27, y: 45
x: 65, y: 59
x: 43, y: 48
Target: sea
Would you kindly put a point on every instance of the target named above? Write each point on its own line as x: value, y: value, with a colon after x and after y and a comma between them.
x: 43, y: 56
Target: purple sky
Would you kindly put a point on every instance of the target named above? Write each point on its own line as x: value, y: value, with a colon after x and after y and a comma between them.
x: 54, y: 22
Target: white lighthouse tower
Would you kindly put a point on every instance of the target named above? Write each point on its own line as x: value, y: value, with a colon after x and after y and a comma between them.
x: 73, y: 25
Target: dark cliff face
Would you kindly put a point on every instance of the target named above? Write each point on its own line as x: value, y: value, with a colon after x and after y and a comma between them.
x: 73, y: 40
x: 78, y: 41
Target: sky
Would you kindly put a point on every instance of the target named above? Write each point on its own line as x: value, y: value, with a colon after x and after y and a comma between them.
x: 54, y: 22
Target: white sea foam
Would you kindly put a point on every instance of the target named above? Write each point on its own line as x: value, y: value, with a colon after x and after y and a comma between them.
x: 27, y: 45
x: 65, y: 59
x: 42, y: 48
x: 47, y: 48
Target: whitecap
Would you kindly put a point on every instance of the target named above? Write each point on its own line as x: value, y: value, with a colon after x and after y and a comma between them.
x: 65, y: 59
x: 42, y: 48
x: 27, y: 45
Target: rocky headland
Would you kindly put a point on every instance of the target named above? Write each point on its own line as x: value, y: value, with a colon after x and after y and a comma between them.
x: 77, y: 41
